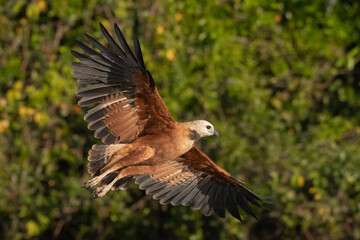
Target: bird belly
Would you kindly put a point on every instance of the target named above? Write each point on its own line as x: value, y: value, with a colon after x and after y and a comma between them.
x: 167, y: 147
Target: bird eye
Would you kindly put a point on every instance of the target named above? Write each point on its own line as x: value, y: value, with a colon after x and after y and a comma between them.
x: 208, y: 126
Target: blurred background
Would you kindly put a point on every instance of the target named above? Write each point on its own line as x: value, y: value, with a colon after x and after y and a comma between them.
x: 280, y: 80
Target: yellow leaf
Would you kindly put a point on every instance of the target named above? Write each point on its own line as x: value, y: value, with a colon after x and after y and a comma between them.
x: 301, y: 181
x: 41, y: 118
x: 22, y: 111
x: 23, y: 21
x: 276, y: 102
x: 15, y: 92
x: 317, y: 196
x: 30, y: 111
x: 170, y: 55
x: 3, y: 102
x: 41, y: 5
x: 32, y: 11
x: 13, y: 95
x: 37, y: 117
x: 4, y: 125
x: 160, y: 30
x: 179, y: 16
x: 312, y: 190
x: 32, y: 228
x: 26, y: 111
x: 18, y: 85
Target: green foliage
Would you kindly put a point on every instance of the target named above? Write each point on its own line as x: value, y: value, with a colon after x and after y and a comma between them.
x: 278, y: 79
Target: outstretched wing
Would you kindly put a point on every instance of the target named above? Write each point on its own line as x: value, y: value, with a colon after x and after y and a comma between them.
x: 129, y: 104
x: 193, y: 179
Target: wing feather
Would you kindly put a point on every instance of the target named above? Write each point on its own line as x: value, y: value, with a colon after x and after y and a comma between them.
x: 113, y: 44
x: 193, y: 179
x: 141, y: 178
x: 201, y: 191
x: 124, y: 44
x: 147, y: 183
x: 207, y: 207
x: 189, y: 186
x: 220, y: 195
x: 156, y: 188
x: 160, y: 195
x: 230, y: 203
x: 188, y: 195
x: 129, y: 105
x: 139, y: 53
x: 170, y: 195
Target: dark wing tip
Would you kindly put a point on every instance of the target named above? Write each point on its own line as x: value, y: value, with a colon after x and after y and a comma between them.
x: 80, y: 44
x: 245, y: 196
x: 230, y: 203
x: 241, y: 182
x: 152, y: 82
x: 263, y: 199
x: 74, y: 53
x: 114, y: 45
x: 91, y: 39
x: 103, y: 30
x: 97, y: 44
x: 123, y: 43
x: 101, y: 26
x: 116, y: 26
x: 139, y: 53
x: 87, y: 36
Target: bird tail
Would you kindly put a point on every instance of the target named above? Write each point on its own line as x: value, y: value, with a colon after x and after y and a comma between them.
x: 102, y: 157
x: 101, y: 160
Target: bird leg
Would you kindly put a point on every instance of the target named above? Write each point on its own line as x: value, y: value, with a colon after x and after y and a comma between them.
x: 126, y: 172
x: 95, y: 180
x: 139, y: 155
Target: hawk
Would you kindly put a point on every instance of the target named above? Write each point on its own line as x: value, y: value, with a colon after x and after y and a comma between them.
x: 141, y: 140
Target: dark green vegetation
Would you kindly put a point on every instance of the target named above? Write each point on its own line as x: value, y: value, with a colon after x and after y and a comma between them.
x: 280, y: 81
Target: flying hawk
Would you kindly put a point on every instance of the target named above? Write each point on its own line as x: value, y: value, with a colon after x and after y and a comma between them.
x: 143, y: 141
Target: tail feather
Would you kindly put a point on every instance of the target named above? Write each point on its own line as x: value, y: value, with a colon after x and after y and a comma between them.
x: 100, y: 155
x: 121, y: 184
x: 109, y: 178
x: 106, y: 163
x: 101, y: 158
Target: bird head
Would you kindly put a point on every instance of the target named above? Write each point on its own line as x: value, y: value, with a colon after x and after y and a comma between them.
x: 202, y: 128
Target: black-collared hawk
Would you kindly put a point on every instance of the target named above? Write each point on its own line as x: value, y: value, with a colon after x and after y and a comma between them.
x: 141, y: 140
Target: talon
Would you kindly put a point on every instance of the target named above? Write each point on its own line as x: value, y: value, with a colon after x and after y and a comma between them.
x: 90, y: 183
x: 86, y: 185
x: 101, y: 191
x: 94, y: 195
x: 94, y: 181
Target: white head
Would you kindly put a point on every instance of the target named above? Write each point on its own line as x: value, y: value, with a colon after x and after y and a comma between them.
x: 202, y: 128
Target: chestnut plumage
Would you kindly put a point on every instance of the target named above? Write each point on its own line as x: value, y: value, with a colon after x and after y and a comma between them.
x: 141, y: 140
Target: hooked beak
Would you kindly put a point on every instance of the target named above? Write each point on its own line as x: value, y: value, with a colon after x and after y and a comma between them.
x: 216, y: 133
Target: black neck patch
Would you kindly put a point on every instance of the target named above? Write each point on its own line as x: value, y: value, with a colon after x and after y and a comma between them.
x: 194, y: 135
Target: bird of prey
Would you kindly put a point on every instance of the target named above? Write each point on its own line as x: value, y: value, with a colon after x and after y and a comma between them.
x: 141, y: 140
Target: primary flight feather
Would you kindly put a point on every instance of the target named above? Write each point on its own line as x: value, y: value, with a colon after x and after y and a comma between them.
x: 143, y: 141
